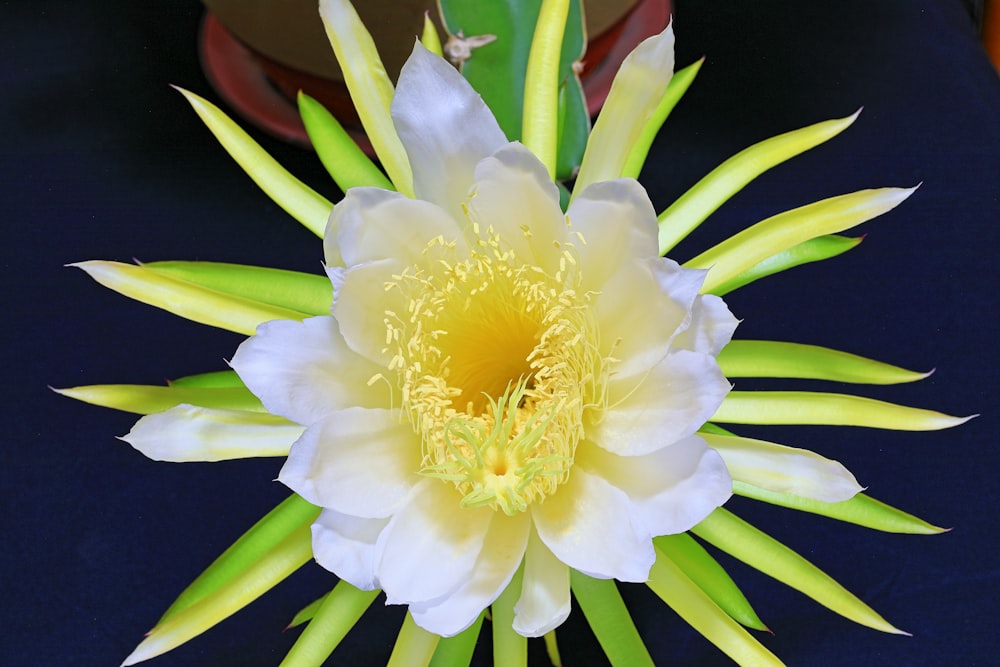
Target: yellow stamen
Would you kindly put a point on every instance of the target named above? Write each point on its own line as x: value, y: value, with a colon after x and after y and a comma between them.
x: 497, y: 362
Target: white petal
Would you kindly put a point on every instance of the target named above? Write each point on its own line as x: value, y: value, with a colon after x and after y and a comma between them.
x: 618, y: 222
x: 445, y: 126
x: 641, y: 307
x: 357, y: 461
x: 345, y: 545
x: 785, y: 469
x: 431, y: 544
x: 501, y: 555
x: 635, y: 92
x: 362, y: 305
x: 544, y: 603
x: 189, y: 433
x: 711, y: 326
x: 304, y: 370
x: 590, y: 525
x: 514, y: 195
x: 671, y: 489
x: 668, y: 404
x: 376, y: 224
x: 635, y: 319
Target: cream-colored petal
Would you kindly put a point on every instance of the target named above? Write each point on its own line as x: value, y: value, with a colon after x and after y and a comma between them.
x: 513, y: 195
x: 635, y: 319
x: 364, y: 302
x: 374, y: 224
x: 671, y: 489
x: 618, y: 223
x: 592, y: 526
x: 305, y: 370
x: 345, y: 545
x: 711, y: 327
x: 545, y: 602
x: 669, y: 403
x: 357, y: 461
x: 640, y: 308
x: 783, y: 469
x: 445, y: 126
x: 431, y: 544
x: 501, y: 555
x: 189, y: 433
x: 636, y: 91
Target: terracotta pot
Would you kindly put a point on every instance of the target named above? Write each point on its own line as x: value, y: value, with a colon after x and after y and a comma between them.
x: 259, y: 53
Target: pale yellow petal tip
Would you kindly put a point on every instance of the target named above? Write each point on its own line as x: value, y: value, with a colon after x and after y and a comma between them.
x: 885, y: 626
x: 140, y: 654
x: 76, y: 393
x: 192, y: 98
x: 957, y: 421
x: 92, y: 266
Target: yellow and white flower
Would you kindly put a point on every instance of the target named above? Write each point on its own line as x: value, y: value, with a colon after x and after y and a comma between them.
x: 499, y: 381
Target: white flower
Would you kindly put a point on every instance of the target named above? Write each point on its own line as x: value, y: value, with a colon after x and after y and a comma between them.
x: 498, y: 382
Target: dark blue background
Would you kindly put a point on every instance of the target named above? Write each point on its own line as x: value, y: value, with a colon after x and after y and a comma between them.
x: 101, y: 159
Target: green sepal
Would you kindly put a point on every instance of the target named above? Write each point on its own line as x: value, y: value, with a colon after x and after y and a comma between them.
x: 430, y: 38
x: 609, y: 618
x: 574, y: 128
x: 673, y: 586
x: 340, y: 154
x: 301, y: 292
x: 805, y: 407
x: 862, y: 510
x: 709, y: 576
x: 739, y: 539
x: 540, y: 116
x: 186, y: 299
x: 776, y: 359
x: 746, y: 249
x: 414, y: 646
x: 679, y: 83
x: 295, y: 197
x: 275, y: 526
x: 715, y: 189
x: 306, y: 614
x: 457, y: 651
x: 212, y: 379
x: 335, y: 615
x: 147, y: 399
x: 813, y: 250
x: 552, y: 648
x: 225, y: 599
x: 370, y: 87
x: 509, y: 648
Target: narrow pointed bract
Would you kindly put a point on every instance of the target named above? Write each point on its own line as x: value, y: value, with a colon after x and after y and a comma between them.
x: 712, y: 191
x: 637, y: 90
x: 369, y: 84
x: 739, y: 539
x: 299, y: 200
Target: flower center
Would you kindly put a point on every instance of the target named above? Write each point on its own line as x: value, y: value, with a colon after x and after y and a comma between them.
x: 497, y: 362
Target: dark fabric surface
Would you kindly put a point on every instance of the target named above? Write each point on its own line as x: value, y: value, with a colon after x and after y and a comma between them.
x: 101, y: 159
